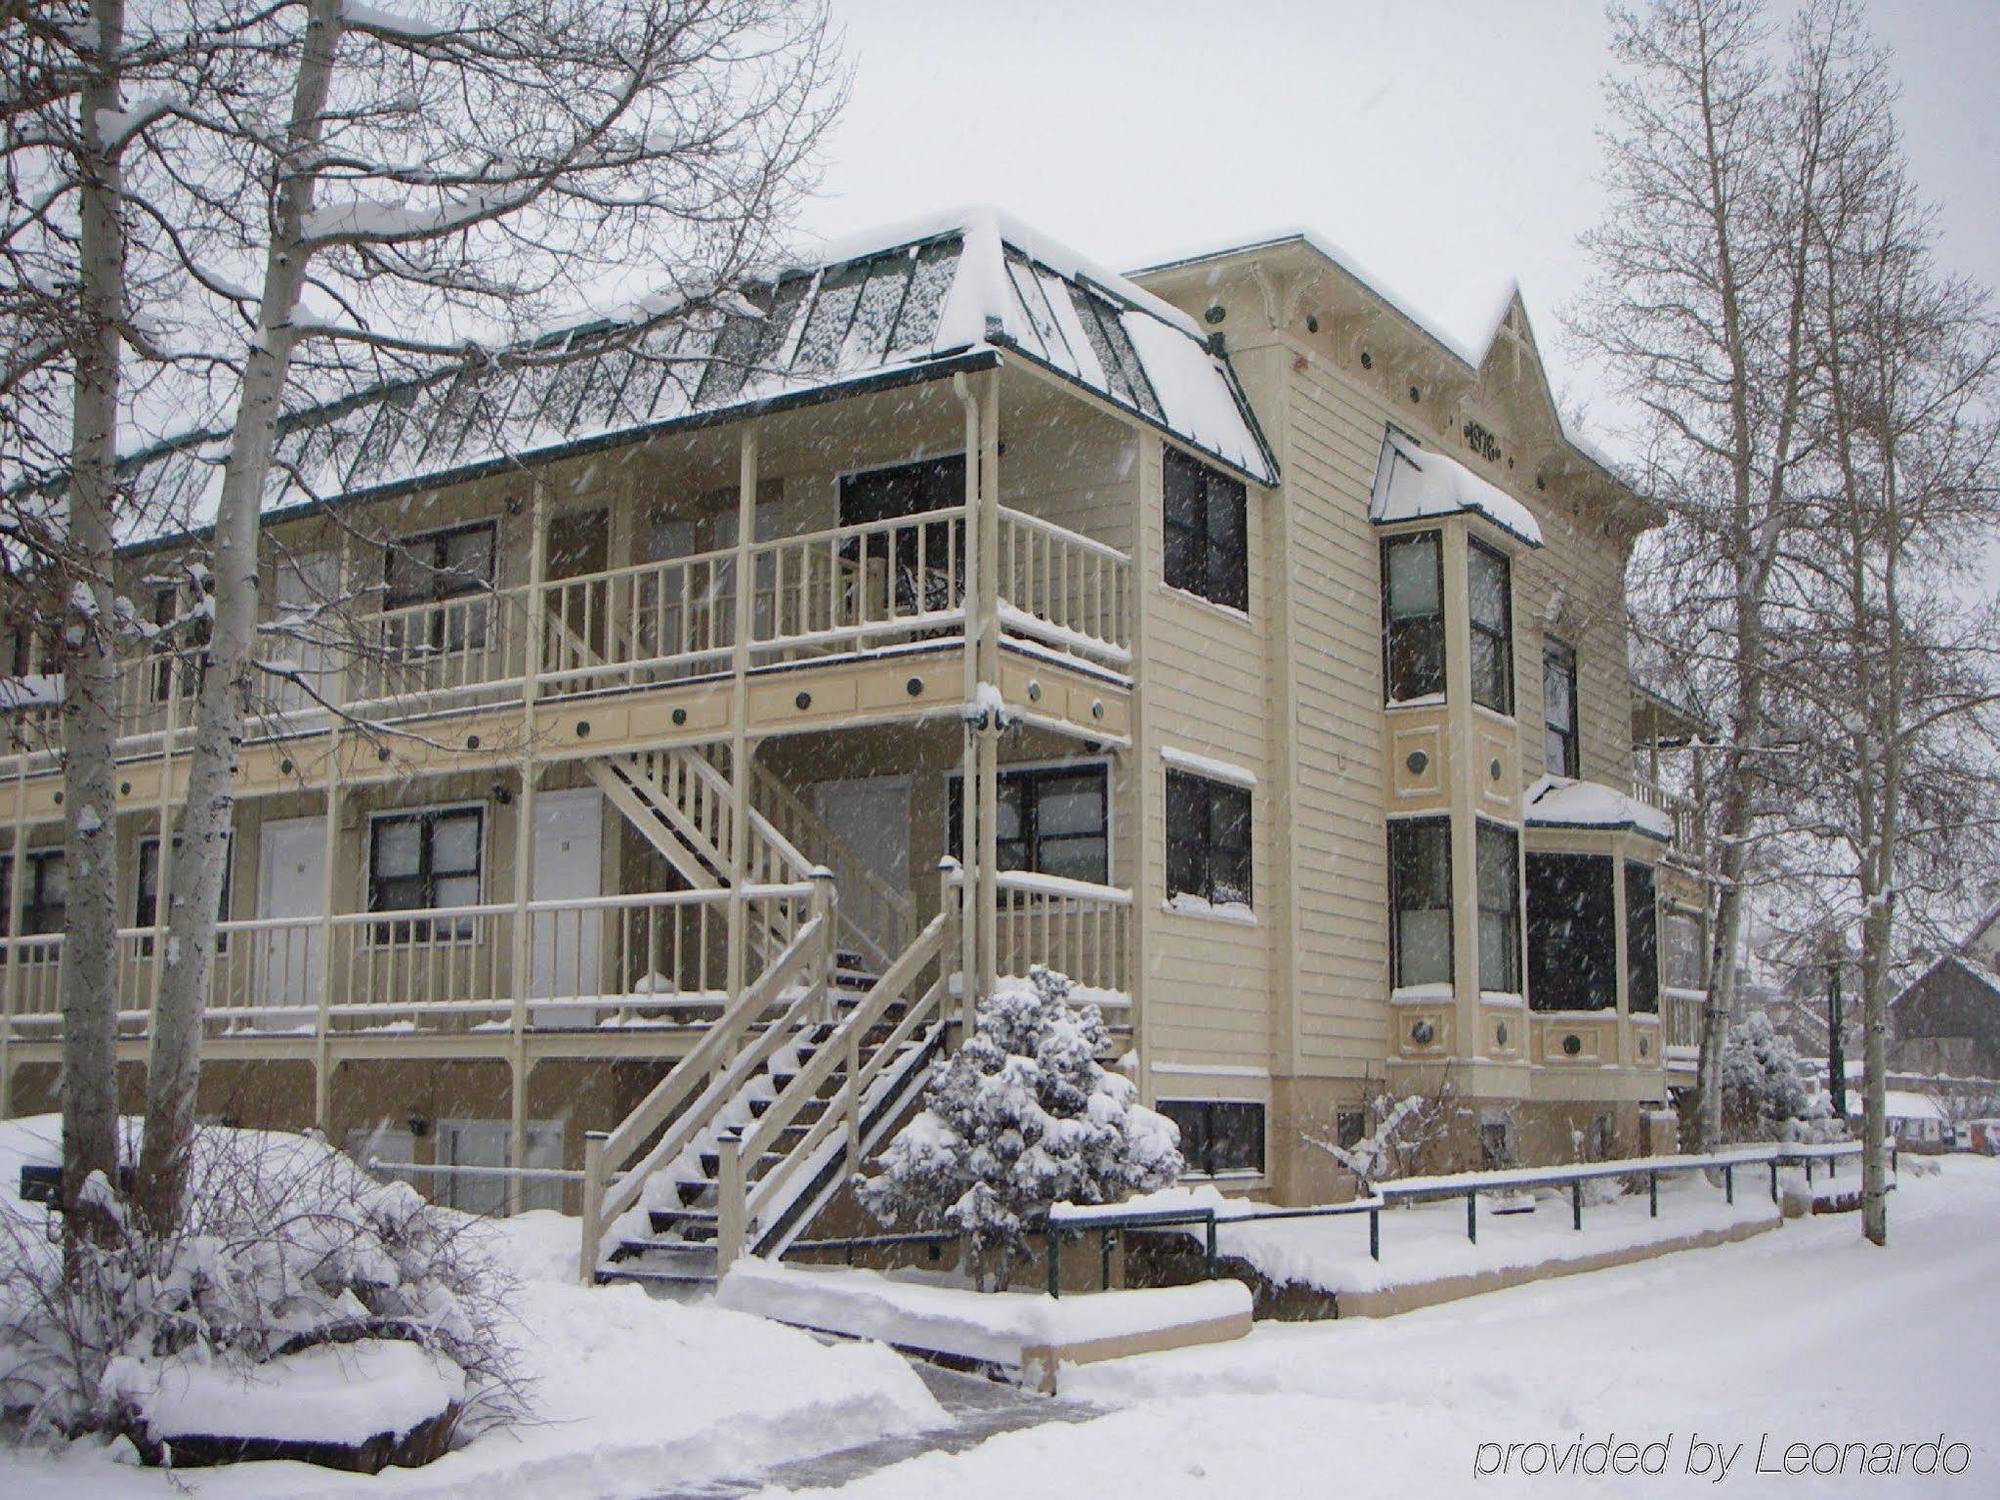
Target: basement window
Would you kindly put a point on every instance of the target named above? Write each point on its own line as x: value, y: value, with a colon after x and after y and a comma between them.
x: 422, y: 862
x: 1218, y: 1136
x: 1207, y: 532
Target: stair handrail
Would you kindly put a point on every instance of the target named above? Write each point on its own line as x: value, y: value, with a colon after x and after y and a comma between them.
x: 841, y: 1048
x: 609, y: 1152
x: 850, y: 870
x: 787, y: 853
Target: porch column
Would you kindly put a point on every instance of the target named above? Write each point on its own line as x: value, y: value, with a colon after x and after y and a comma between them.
x: 742, y: 565
x: 521, y: 950
x: 9, y: 994
x: 989, y: 672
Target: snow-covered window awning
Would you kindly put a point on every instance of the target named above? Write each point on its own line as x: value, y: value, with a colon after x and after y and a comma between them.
x: 1557, y: 802
x: 1414, y: 484
x: 912, y: 303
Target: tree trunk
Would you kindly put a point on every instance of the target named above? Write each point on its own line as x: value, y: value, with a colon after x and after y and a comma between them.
x: 90, y: 669
x: 174, y: 1069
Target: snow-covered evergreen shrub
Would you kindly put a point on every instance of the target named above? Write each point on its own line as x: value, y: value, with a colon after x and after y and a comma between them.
x: 1017, y: 1119
x: 287, y: 1245
x: 1764, y: 1095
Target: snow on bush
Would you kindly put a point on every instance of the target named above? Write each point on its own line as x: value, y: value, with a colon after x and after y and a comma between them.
x: 1407, y: 1132
x: 1018, y: 1118
x: 287, y: 1247
x: 1764, y: 1095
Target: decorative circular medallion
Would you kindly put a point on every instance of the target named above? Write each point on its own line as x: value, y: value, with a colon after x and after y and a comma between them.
x: 1423, y: 1033
x: 1572, y: 1045
x: 1417, y: 761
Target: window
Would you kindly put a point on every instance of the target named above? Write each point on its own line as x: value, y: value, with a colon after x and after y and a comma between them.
x: 1208, y: 840
x: 1207, y: 532
x: 1413, y: 617
x: 1499, y: 909
x: 1420, y: 900
x: 1496, y: 1142
x: 44, y: 892
x: 1489, y: 583
x: 179, y: 645
x: 1680, y: 950
x: 1218, y: 1136
x: 1642, y: 941
x: 1053, y: 821
x: 1559, y: 709
x: 1572, y: 932
x: 145, y: 909
x: 434, y: 568
x: 421, y: 861
x: 1349, y: 1126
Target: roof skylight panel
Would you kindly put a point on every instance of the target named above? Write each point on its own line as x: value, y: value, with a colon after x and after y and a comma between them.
x: 826, y: 325
x: 729, y: 359
x: 868, y: 336
x: 930, y: 281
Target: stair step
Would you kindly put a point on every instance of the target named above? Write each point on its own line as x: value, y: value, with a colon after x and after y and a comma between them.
x: 667, y: 1254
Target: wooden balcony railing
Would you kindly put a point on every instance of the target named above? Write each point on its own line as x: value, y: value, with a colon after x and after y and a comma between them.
x: 650, y: 958
x: 841, y: 590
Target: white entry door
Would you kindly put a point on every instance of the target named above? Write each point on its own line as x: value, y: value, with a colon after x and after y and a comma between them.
x: 291, y: 882
x: 871, y: 816
x: 569, y: 834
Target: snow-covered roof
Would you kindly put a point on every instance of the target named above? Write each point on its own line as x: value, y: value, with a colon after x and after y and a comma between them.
x: 1468, y: 345
x: 1413, y: 483
x: 910, y: 303
x: 1557, y: 802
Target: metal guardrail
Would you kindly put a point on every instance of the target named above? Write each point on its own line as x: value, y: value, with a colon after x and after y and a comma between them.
x: 1108, y: 1224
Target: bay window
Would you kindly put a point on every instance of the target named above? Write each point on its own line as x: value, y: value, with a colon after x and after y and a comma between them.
x: 1413, y: 616
x: 1499, y: 909
x: 1572, y: 932
x: 1489, y: 586
x: 1420, y: 900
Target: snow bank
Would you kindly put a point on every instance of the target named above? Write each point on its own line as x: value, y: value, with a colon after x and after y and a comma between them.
x: 344, y: 1393
x: 1000, y: 1327
x: 1426, y: 1242
x: 627, y: 1395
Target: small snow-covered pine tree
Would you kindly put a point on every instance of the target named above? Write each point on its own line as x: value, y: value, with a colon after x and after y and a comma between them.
x: 1021, y: 1117
x: 1764, y: 1093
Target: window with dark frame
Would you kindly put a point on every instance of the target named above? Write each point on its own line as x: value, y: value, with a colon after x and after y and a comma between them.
x: 146, y: 902
x: 1572, y: 932
x: 1642, y: 941
x: 1413, y: 616
x: 1207, y: 531
x: 1208, y: 840
x: 1559, y: 739
x: 424, y: 861
x: 1499, y: 909
x: 1218, y: 1135
x: 1420, y: 900
x: 434, y: 568
x: 44, y: 893
x: 1053, y: 820
x: 180, y: 646
x: 1490, y: 613
x: 1349, y: 1126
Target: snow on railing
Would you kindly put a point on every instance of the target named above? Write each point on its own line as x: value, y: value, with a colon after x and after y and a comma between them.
x: 1064, y: 589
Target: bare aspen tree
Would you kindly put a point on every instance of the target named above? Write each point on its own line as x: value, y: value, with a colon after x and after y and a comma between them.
x: 1893, y: 657
x: 443, y: 170
x: 1700, y: 306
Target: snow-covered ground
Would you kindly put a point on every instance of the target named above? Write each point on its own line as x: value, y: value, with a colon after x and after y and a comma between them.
x: 1427, y: 1241
x: 1804, y: 1336
x: 631, y: 1396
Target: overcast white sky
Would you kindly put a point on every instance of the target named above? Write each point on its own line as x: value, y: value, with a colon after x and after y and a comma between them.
x: 1447, y: 144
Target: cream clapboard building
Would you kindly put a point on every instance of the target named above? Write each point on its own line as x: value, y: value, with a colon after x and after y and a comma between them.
x: 1221, y: 636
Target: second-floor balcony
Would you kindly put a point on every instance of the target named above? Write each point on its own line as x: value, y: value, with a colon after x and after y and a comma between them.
x: 854, y: 590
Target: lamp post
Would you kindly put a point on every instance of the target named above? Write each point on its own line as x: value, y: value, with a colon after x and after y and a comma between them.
x: 1836, y: 1062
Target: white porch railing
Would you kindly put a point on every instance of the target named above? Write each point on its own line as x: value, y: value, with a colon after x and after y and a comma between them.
x: 656, y: 957
x: 843, y: 589
x: 1680, y: 1020
x: 1073, y: 926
